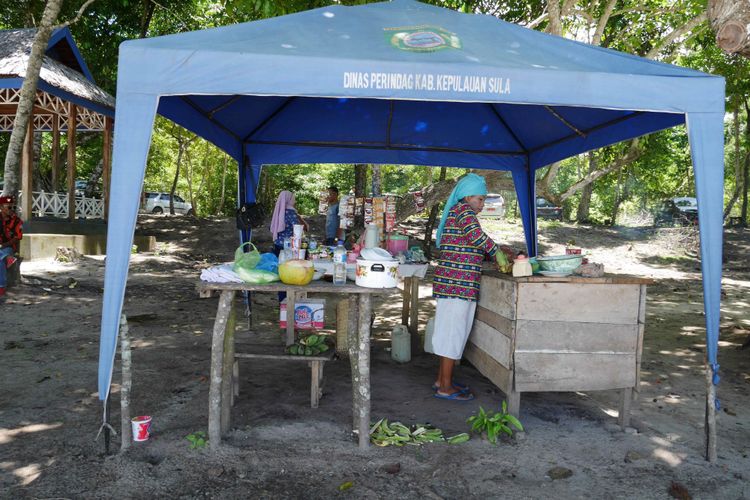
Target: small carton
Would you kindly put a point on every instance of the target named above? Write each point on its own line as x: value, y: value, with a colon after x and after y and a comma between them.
x: 309, y: 314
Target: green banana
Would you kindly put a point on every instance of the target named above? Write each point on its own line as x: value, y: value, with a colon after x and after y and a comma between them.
x: 459, y: 438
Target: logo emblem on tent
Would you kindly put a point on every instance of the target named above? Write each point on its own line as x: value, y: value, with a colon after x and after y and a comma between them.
x: 422, y: 38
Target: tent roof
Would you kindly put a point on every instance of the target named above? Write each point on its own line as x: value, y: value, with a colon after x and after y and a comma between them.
x: 246, y: 85
x: 64, y: 72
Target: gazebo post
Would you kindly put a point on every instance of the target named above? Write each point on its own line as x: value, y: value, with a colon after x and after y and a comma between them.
x: 106, y: 163
x: 27, y: 163
x: 55, y: 160
x: 72, y: 124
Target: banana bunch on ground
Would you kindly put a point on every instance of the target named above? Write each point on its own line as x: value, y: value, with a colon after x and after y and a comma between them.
x: 312, y: 345
x: 383, y: 433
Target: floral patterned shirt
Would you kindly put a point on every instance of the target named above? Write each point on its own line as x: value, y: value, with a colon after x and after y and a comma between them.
x: 462, y: 248
x: 290, y: 219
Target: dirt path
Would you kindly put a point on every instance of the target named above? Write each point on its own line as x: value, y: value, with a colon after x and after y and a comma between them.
x: 279, y: 447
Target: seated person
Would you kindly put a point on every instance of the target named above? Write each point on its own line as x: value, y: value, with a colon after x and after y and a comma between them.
x: 11, y: 232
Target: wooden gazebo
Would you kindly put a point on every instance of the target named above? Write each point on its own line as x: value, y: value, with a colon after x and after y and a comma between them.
x: 67, y: 101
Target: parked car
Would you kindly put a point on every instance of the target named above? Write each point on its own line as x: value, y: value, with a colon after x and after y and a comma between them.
x: 547, y: 210
x: 681, y: 210
x: 158, y: 203
x: 494, y: 206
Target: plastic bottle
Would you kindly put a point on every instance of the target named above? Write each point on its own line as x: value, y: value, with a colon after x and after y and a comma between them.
x: 400, y: 344
x: 339, y: 264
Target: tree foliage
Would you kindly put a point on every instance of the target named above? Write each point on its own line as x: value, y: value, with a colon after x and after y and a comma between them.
x: 658, y: 166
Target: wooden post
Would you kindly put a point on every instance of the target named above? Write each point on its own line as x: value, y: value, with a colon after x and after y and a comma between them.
x: 314, y: 383
x: 414, y: 317
x: 106, y: 164
x: 514, y: 402
x: 623, y: 416
x: 363, y: 370
x: 291, y: 301
x: 351, y: 332
x: 72, y: 124
x: 217, y: 361
x: 127, y: 383
x: 710, y: 424
x: 55, y: 159
x: 27, y: 178
x: 227, y: 369
x: 406, y: 301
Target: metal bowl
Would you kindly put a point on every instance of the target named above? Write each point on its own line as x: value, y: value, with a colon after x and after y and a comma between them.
x: 559, y: 263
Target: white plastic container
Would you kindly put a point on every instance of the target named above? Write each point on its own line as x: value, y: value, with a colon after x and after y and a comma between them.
x: 372, y: 236
x: 377, y: 273
x: 429, y: 330
x: 400, y: 344
x: 522, y: 267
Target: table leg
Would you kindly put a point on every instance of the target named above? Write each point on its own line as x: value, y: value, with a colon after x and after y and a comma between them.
x: 363, y: 369
x: 514, y: 402
x: 291, y: 300
x: 217, y: 361
x: 406, y: 301
x: 623, y: 417
x: 227, y: 372
x: 414, y: 317
x: 353, y: 348
x: 314, y: 383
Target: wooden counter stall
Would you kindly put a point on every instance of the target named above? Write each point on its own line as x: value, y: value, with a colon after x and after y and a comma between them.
x: 540, y: 334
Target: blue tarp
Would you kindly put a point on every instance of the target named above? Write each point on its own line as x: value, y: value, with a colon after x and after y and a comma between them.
x: 401, y: 83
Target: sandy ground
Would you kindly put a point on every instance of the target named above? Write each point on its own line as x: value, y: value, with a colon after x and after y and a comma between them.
x: 281, y: 448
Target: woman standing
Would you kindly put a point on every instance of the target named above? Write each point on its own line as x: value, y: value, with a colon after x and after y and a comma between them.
x: 463, y: 245
x: 284, y: 218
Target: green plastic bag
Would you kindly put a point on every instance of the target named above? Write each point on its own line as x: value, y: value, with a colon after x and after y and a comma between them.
x: 256, y: 276
x: 245, y: 260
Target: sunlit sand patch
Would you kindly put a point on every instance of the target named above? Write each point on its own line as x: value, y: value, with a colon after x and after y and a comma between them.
x: 8, y: 435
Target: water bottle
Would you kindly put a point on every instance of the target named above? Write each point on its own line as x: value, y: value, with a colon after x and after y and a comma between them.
x: 339, y: 264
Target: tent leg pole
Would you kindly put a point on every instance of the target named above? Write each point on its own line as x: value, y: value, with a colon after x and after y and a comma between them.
x: 710, y: 424
x: 106, y: 427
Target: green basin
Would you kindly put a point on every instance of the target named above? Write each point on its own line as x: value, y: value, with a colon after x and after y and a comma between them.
x: 559, y: 263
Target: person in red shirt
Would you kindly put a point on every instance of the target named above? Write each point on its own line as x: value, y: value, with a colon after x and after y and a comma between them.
x: 11, y: 232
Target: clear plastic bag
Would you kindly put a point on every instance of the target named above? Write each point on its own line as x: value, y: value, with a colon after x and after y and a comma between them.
x: 245, y: 260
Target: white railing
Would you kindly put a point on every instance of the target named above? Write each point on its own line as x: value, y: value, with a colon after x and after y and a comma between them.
x: 56, y: 205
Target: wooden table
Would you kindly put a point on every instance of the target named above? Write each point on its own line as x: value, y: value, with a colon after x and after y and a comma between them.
x: 411, y: 273
x: 222, y: 348
x: 570, y: 333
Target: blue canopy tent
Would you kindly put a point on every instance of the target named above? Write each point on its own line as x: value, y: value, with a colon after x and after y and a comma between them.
x: 402, y: 83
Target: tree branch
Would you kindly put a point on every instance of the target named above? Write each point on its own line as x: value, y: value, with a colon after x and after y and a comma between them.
x: 78, y: 15
x: 677, y: 33
x: 633, y: 154
x: 602, y: 22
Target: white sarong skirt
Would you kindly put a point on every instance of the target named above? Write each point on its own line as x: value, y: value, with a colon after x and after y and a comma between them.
x: 453, y: 321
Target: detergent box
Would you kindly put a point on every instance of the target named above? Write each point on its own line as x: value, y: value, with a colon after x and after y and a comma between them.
x: 309, y: 314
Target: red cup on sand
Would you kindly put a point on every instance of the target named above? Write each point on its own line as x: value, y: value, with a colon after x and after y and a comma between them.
x: 141, y: 427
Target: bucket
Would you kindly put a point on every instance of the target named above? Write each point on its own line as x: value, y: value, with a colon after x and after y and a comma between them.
x: 428, y: 336
x: 377, y: 273
x: 397, y: 243
x: 400, y: 344
x: 141, y: 427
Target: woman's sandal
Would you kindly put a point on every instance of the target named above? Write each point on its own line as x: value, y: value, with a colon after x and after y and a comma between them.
x: 456, y: 385
x: 456, y: 396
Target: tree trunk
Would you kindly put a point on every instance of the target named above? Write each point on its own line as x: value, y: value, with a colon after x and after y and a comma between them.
x: 730, y: 19
x: 746, y: 171
x: 376, y: 181
x: 180, y: 151
x: 360, y: 180
x: 431, y: 221
x: 619, y: 196
x: 223, y: 184
x: 738, y: 170
x: 28, y: 96
x: 584, y: 205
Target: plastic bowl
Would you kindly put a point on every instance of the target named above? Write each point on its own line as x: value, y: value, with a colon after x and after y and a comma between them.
x: 559, y: 263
